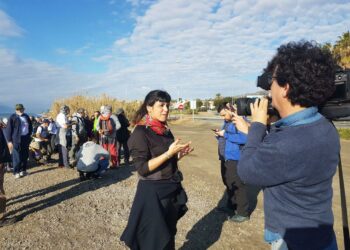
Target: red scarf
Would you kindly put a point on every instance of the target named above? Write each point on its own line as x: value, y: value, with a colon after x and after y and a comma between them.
x: 107, y: 126
x: 158, y: 127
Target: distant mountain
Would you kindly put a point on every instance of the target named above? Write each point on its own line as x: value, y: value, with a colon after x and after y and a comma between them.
x: 5, y: 109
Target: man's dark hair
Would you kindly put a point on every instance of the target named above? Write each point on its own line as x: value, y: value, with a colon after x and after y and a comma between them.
x: 308, y: 69
x: 225, y: 105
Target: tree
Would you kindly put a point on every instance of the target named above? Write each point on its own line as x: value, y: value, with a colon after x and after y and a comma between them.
x: 341, y: 50
x: 199, y: 103
x: 217, y: 100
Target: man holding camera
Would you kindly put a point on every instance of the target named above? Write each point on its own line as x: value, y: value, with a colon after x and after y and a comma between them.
x: 296, y: 161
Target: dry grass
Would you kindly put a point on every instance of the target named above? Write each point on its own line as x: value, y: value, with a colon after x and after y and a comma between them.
x: 92, y: 104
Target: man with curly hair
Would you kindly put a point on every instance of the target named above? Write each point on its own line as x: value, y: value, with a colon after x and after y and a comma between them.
x: 296, y: 161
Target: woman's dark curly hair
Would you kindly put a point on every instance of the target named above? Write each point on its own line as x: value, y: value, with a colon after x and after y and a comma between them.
x: 308, y: 69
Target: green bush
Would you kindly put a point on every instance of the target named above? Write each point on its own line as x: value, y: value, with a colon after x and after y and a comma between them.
x: 344, y: 133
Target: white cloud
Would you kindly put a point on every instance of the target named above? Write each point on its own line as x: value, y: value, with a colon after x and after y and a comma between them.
x: 76, y: 52
x: 82, y: 49
x: 190, y: 48
x: 8, y: 27
x: 62, y: 51
x: 195, y: 45
x: 103, y: 58
x: 36, y: 84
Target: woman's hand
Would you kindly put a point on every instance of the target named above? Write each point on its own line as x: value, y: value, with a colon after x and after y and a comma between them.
x: 177, y: 147
x: 185, y: 151
x: 241, y: 124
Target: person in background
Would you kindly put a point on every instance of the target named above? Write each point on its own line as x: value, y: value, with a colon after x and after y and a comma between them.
x: 160, y: 199
x: 61, y: 139
x: 123, y: 135
x: 53, y: 134
x: 107, y: 126
x: 42, y: 136
x: 5, y: 157
x: 92, y: 160
x: 3, y: 124
x: 18, y: 134
x: 230, y: 141
x: 95, y: 132
x: 296, y: 161
x: 79, y: 134
x: 34, y: 124
x: 89, y: 124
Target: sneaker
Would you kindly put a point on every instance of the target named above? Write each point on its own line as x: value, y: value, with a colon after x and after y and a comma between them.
x: 224, y: 210
x: 238, y: 218
x: 23, y: 173
x: 17, y: 176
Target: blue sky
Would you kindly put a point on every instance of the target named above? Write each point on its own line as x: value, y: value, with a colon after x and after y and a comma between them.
x: 125, y: 48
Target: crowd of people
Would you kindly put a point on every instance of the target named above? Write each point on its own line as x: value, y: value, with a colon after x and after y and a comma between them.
x: 293, y: 159
x: 78, y: 139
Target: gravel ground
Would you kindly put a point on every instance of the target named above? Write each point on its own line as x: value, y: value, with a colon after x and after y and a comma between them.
x: 59, y: 212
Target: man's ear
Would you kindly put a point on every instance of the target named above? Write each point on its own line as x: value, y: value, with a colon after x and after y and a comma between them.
x: 285, y: 90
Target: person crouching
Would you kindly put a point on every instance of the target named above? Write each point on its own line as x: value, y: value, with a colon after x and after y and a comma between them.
x: 92, y: 160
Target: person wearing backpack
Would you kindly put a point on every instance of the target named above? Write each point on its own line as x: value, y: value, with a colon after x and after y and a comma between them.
x: 107, y: 126
x: 79, y: 135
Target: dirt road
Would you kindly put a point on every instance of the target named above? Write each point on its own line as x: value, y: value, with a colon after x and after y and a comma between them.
x: 59, y: 212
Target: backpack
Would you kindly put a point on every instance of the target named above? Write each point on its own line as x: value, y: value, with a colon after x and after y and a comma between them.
x: 80, y: 127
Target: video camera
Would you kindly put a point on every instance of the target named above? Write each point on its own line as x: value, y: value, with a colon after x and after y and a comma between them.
x: 338, y: 106
x: 243, y: 104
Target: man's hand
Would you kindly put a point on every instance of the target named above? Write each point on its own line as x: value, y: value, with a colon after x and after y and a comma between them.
x: 241, y: 124
x: 220, y: 133
x: 259, y: 110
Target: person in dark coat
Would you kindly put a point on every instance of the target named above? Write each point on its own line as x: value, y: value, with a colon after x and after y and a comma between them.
x: 296, y: 160
x: 5, y: 157
x: 18, y: 134
x: 160, y: 200
x: 123, y: 135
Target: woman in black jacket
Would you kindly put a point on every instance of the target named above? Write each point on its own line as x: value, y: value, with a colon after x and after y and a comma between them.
x: 160, y: 199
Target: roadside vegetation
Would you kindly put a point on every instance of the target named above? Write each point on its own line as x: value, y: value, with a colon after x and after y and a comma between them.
x: 344, y: 133
x: 91, y: 104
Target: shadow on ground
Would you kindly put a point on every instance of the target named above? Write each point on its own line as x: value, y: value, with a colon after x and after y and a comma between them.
x: 208, y: 229
x: 77, y: 188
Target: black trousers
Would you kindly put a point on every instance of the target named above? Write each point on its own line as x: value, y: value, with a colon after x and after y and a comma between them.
x: 235, y: 188
x: 123, y: 144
